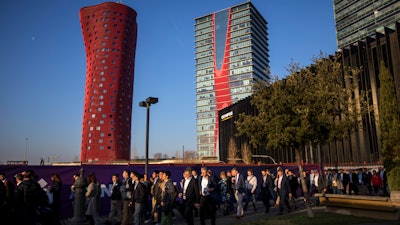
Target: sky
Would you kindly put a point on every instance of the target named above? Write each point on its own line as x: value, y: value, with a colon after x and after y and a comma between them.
x: 42, y: 70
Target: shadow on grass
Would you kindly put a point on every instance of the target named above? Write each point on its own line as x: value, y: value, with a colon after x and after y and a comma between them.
x: 319, y: 218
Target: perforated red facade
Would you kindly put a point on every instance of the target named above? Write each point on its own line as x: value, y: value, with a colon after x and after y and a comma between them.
x: 109, y: 33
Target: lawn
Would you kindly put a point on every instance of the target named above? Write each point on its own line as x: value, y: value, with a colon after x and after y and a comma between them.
x: 319, y: 218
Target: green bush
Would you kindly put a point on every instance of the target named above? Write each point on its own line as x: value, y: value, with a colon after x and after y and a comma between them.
x: 394, y: 179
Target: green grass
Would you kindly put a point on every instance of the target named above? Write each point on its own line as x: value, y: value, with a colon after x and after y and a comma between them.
x: 319, y: 218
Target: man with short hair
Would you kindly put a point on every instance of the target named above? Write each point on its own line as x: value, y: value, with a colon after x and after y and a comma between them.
x: 139, y: 198
x: 115, y: 200
x: 239, y: 186
x: 266, y: 184
x: 207, y: 186
x: 284, y: 191
x: 190, y: 195
x: 154, y: 191
x: 168, y: 196
x: 126, y: 193
x: 251, y: 186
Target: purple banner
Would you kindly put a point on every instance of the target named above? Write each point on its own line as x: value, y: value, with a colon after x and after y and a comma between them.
x: 105, y: 172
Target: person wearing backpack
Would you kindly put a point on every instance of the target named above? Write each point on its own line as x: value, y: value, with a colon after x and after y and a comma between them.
x: 251, y: 186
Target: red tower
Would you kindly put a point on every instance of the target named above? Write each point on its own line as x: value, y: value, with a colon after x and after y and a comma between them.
x: 109, y: 33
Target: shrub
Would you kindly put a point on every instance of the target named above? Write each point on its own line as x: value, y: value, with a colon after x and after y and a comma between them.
x: 394, y: 179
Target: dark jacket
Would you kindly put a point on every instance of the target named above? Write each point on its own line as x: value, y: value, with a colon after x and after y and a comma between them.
x: 139, y: 193
x: 321, y: 184
x: 115, y: 193
x: 192, y: 194
x: 213, y: 184
x: 239, y: 184
x: 285, y: 187
x: 126, y: 189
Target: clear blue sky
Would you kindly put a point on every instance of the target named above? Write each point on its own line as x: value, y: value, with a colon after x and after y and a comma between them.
x: 42, y: 70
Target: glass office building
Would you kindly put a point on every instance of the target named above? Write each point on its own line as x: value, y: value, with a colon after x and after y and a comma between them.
x: 231, y: 48
x: 356, y: 20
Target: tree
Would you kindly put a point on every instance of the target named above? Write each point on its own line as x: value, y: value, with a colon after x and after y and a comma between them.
x: 246, y: 153
x: 232, y: 151
x: 389, y: 119
x: 157, y: 156
x: 316, y: 104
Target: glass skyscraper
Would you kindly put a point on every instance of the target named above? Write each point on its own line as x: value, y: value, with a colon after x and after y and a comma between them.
x: 231, y: 53
x: 355, y: 20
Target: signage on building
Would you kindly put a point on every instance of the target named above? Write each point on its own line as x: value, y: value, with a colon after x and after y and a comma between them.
x: 227, y: 116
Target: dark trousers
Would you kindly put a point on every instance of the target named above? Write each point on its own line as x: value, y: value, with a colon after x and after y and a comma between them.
x: 353, y: 187
x: 250, y: 197
x: 187, y: 212
x: 207, y: 207
x: 284, y: 201
x: 265, y: 196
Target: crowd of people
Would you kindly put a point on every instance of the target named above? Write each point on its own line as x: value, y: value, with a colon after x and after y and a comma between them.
x: 361, y: 181
x: 136, y: 199
x: 25, y: 202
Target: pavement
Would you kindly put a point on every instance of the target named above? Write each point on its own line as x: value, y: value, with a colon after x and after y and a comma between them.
x: 249, y: 215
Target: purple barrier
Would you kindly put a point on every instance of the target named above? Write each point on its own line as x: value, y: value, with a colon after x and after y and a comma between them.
x: 104, y: 173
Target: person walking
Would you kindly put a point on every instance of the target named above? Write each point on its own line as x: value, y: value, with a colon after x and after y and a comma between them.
x: 154, y: 191
x: 320, y: 184
x: 55, y: 189
x: 207, y: 186
x: 115, y: 201
x: 92, y: 199
x: 225, y: 191
x: 266, y: 183
x: 126, y: 193
x: 239, y: 184
x: 139, y: 198
x: 168, y: 196
x: 284, y: 191
x: 190, y: 194
x: 251, y: 186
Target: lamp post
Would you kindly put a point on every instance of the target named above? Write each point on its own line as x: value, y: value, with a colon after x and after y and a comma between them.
x: 147, y: 104
x: 26, y: 151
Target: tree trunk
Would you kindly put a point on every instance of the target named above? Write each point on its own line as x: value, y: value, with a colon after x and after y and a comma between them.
x: 310, y: 213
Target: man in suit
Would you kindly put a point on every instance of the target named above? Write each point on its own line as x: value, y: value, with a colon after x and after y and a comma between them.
x: 207, y: 185
x: 320, y: 184
x: 190, y: 195
x: 284, y: 191
x: 239, y: 185
x: 353, y: 182
x: 266, y: 184
x: 116, y: 200
x: 344, y: 178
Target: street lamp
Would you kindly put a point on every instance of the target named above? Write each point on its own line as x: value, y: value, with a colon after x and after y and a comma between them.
x: 147, y: 104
